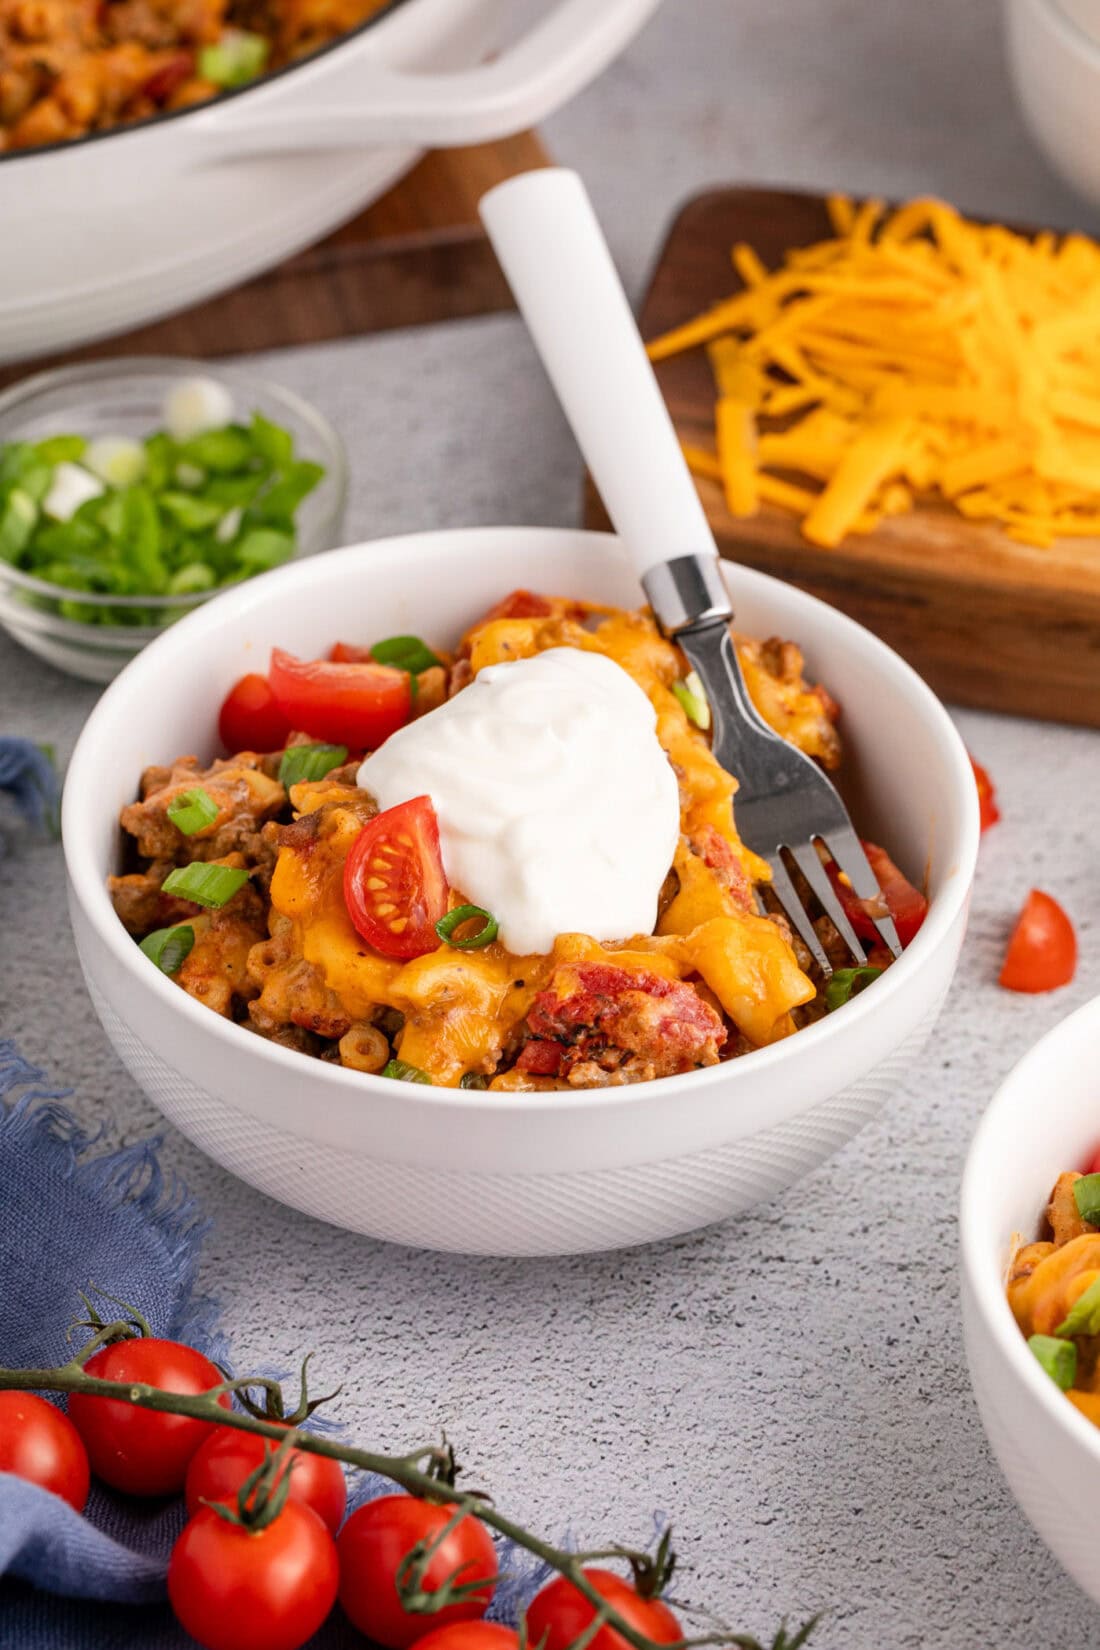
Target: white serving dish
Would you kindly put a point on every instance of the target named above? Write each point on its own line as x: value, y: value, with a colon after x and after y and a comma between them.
x: 1044, y: 1118
x: 1055, y: 63
x: 119, y: 228
x: 496, y: 1173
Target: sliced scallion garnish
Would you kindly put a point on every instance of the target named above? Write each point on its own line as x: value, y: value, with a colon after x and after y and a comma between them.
x: 1058, y: 1358
x: 192, y: 810
x: 209, y: 885
x: 845, y: 983
x: 303, y: 762
x: 485, y: 935
x: 693, y: 698
x: 405, y: 653
x: 1083, y: 1317
x: 473, y: 1080
x: 169, y: 948
x: 404, y: 1073
x: 1086, y: 1195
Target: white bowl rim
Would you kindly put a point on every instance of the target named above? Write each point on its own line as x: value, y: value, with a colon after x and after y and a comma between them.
x: 89, y: 888
x: 1020, y: 1088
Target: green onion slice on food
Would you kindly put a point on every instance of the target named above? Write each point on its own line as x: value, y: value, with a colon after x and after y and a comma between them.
x: 1086, y: 1195
x: 404, y: 1073
x: 192, y: 810
x: 405, y: 653
x: 303, y: 762
x: 1058, y: 1358
x: 693, y: 698
x: 1083, y: 1317
x: 482, y: 936
x: 169, y: 948
x: 846, y: 983
x: 473, y: 1080
x: 209, y: 885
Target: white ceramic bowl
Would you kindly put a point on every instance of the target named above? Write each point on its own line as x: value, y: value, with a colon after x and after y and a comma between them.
x: 1044, y: 1118
x: 1055, y: 64
x: 497, y: 1173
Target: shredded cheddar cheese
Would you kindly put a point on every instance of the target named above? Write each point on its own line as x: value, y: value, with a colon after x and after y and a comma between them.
x: 915, y: 352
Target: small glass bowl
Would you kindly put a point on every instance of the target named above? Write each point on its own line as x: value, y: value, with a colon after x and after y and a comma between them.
x: 126, y: 397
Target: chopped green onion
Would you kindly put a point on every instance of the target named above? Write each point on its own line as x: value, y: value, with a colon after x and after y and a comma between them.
x: 406, y: 653
x: 191, y: 579
x: 1058, y: 1358
x: 263, y: 547
x: 303, y: 762
x: 404, y: 1073
x: 17, y: 523
x: 274, y: 444
x: 692, y: 697
x: 485, y: 935
x: 116, y: 459
x: 192, y: 810
x: 846, y: 983
x: 1083, y: 1317
x: 189, y: 475
x: 223, y: 451
x: 473, y: 1080
x: 169, y: 948
x: 1086, y: 1195
x: 233, y: 60
x: 61, y: 449
x: 193, y: 514
x: 209, y: 885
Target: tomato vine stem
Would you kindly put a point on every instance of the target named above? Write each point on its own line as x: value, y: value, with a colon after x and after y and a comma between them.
x: 407, y: 1471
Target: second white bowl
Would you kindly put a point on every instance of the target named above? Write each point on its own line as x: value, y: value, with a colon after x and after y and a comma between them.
x: 472, y: 1170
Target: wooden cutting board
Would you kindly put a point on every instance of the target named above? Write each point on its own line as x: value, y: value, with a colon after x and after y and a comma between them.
x: 986, y: 621
x: 417, y: 256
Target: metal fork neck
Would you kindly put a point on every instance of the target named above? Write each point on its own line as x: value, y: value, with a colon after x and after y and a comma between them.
x: 687, y: 593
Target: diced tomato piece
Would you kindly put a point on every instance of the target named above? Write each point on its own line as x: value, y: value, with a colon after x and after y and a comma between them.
x: 1042, y: 952
x: 595, y: 1007
x: 250, y: 719
x: 356, y: 704
x: 170, y: 76
x: 988, y: 811
x: 541, y: 1057
x: 395, y: 887
x: 906, y: 904
x: 521, y: 604
x: 346, y: 653
x: 1093, y: 1164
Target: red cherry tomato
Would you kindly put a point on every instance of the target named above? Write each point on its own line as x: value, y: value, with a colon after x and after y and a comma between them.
x: 40, y: 1444
x: 239, y: 1589
x: 470, y: 1635
x: 1093, y: 1164
x: 906, y: 904
x: 358, y: 704
x: 1042, y: 952
x: 558, y: 1615
x: 988, y: 811
x: 374, y: 1542
x: 220, y: 1466
x: 520, y: 604
x: 140, y: 1450
x: 250, y: 720
x: 399, y: 852
x: 346, y: 653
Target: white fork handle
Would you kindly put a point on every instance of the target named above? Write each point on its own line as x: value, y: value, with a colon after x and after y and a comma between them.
x: 552, y: 250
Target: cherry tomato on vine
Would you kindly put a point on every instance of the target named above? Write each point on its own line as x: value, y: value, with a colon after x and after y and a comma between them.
x: 139, y: 1450
x: 249, y: 719
x: 220, y: 1466
x: 1042, y: 952
x: 235, y: 1588
x: 395, y: 887
x: 374, y: 1542
x: 40, y: 1444
x: 470, y: 1635
x: 559, y: 1614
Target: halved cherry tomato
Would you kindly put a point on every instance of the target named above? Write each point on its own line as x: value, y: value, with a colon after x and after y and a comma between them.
x: 40, y: 1444
x: 377, y: 1539
x: 1042, y: 952
x: 224, y: 1461
x: 249, y: 719
x: 906, y: 904
x: 399, y: 852
x: 358, y: 704
x: 143, y: 1451
x: 988, y: 811
x: 559, y: 1614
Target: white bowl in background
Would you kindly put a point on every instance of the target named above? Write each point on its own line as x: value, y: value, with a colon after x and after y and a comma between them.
x: 1055, y: 64
x: 1044, y: 1118
x: 496, y: 1173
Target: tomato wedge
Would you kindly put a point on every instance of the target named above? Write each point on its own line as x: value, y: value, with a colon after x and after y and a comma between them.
x: 1042, y: 952
x: 249, y: 719
x: 988, y: 811
x: 395, y: 887
x: 354, y: 704
x: 906, y: 904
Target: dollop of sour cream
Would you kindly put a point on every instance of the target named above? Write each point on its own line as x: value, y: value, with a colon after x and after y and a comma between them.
x: 558, y: 810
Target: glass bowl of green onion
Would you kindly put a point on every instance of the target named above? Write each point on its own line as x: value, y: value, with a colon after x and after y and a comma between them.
x: 133, y: 490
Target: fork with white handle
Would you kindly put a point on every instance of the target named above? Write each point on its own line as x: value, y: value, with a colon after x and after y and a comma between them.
x: 550, y: 245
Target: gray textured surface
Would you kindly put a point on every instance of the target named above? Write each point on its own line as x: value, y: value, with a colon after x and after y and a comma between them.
x: 790, y: 1387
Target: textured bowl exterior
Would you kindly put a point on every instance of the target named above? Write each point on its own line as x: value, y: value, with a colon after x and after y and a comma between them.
x: 471, y: 1170
x: 1044, y: 1118
x: 1056, y: 68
